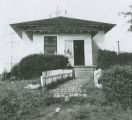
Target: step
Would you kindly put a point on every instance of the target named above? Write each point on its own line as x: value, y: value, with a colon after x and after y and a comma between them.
x: 83, y: 72
x: 82, y: 75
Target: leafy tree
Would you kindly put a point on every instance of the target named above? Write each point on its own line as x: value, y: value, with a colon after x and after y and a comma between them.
x: 129, y: 14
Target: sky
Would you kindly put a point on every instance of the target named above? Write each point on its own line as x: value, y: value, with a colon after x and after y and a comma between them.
x: 14, y: 11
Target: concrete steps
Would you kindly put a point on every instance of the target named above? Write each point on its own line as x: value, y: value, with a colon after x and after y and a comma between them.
x: 82, y: 72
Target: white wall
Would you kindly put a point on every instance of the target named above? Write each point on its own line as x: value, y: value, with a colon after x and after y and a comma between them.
x: 98, y: 42
x: 99, y: 39
x: 32, y: 46
x: 87, y: 45
x: 37, y: 45
x: 88, y: 51
x: 38, y: 41
x: 90, y: 46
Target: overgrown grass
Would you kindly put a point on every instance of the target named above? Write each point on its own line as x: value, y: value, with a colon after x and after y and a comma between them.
x: 40, y: 105
x: 96, y: 107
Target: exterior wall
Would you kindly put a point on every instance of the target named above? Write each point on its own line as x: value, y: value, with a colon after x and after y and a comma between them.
x: 37, y: 45
x: 87, y: 46
x: 38, y: 41
x: 91, y: 45
x: 99, y: 39
x: 98, y: 42
x: 32, y: 46
x: 28, y: 45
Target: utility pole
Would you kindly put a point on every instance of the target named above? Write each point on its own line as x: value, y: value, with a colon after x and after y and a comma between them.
x: 118, y: 45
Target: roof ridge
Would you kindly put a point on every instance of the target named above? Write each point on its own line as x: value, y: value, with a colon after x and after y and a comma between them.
x: 70, y: 18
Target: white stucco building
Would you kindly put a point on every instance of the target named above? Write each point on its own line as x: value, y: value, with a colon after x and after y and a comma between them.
x: 77, y: 39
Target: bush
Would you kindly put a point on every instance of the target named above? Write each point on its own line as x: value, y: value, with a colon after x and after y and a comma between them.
x: 124, y: 58
x: 108, y: 58
x: 117, y: 84
x: 32, y: 66
x: 5, y: 75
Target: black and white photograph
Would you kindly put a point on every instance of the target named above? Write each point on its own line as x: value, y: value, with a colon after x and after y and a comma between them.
x: 65, y: 59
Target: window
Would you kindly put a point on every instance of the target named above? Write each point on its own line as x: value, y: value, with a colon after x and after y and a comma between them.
x: 50, y: 45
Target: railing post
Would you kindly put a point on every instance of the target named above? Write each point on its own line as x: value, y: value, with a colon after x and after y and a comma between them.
x: 41, y: 81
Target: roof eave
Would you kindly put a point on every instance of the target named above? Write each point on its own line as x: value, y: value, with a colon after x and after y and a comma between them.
x: 109, y: 28
x: 17, y: 30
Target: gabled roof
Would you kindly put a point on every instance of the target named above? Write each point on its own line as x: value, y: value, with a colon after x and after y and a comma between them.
x: 61, y: 25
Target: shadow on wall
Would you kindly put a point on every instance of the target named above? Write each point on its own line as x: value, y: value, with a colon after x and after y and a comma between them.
x: 95, y: 49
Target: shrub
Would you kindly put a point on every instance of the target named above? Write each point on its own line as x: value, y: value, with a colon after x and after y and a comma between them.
x: 124, y: 58
x: 5, y: 75
x: 108, y: 58
x: 33, y: 65
x: 117, y: 84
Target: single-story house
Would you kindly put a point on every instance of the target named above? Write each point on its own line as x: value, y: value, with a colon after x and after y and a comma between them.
x: 77, y: 39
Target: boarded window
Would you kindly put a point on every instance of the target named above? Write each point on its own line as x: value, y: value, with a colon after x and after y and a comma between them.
x: 50, y: 45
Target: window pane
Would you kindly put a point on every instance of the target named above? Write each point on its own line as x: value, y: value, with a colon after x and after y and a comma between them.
x: 50, y: 44
x: 50, y: 40
x: 50, y: 50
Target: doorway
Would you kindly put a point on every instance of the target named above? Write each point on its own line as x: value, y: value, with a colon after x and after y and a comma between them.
x: 78, y: 52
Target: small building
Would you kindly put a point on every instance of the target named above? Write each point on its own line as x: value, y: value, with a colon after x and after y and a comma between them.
x: 77, y: 39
